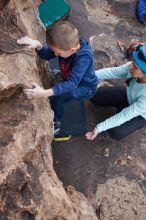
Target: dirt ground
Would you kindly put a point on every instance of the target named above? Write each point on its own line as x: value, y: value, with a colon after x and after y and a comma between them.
x: 84, y: 165
x: 115, y: 184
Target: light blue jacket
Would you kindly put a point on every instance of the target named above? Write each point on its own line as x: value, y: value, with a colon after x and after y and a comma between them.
x: 136, y: 95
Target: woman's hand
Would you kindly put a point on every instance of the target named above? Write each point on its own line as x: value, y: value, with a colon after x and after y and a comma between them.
x: 34, y: 44
x: 92, y: 134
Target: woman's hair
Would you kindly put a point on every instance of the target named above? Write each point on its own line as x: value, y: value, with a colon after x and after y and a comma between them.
x: 139, y: 56
x: 63, y: 35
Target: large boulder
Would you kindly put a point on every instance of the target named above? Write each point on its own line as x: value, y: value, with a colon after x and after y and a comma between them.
x: 29, y: 186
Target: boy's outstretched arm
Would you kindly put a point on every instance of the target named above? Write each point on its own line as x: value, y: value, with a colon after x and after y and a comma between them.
x: 38, y: 92
x: 34, y: 44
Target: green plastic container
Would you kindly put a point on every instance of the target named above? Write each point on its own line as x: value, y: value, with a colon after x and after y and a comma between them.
x: 52, y: 11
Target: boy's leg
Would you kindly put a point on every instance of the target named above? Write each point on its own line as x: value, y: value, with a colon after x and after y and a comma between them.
x: 83, y: 93
x: 58, y: 105
x: 58, y: 102
x: 127, y: 128
x: 111, y: 96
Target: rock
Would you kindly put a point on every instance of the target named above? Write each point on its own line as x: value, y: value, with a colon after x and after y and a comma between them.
x: 3, y: 3
x: 124, y: 7
x: 92, y: 3
x: 106, y: 152
x: 29, y: 186
x: 101, y: 59
x: 110, y: 1
x: 79, y: 16
x: 121, y: 29
x: 124, y: 198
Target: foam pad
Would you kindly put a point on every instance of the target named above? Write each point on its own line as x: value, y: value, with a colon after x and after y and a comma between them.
x: 51, y: 11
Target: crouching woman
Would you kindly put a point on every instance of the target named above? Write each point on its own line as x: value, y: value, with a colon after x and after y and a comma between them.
x: 130, y: 98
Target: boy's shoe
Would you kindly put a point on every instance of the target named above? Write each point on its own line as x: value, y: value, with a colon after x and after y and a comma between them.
x: 62, y: 137
x: 57, y: 134
x: 57, y: 127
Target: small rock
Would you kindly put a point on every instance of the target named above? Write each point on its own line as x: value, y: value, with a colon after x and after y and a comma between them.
x: 129, y: 157
x: 106, y: 152
x: 142, y: 177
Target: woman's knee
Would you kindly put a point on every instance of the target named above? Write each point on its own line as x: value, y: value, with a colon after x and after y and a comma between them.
x: 117, y: 134
x: 127, y: 128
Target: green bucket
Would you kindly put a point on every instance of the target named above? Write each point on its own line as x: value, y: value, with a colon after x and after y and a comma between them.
x: 51, y: 11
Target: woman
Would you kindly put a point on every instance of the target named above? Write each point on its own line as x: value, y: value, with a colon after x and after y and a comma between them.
x: 131, y: 98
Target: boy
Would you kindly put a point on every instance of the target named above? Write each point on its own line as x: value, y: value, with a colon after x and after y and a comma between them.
x: 76, y: 64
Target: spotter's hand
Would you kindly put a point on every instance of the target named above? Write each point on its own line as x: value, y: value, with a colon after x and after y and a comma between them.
x: 92, y: 134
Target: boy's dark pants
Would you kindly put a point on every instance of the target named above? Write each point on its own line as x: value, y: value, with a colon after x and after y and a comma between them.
x: 58, y: 102
x: 116, y: 96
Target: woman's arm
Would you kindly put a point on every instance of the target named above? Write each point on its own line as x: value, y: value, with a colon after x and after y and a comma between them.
x: 132, y: 111
x: 113, y: 72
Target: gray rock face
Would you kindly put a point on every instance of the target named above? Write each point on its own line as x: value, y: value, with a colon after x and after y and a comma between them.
x: 3, y: 3
x: 124, y: 7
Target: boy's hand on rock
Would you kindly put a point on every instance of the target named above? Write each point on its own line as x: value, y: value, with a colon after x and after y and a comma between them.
x: 35, y: 92
x: 34, y: 44
x: 92, y: 134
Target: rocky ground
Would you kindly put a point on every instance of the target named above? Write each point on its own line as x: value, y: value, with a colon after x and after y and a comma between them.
x: 115, y: 184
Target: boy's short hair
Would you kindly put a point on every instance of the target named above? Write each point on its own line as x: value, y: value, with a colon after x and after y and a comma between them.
x: 63, y: 35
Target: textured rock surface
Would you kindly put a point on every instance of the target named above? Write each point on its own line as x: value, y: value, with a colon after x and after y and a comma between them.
x: 29, y: 187
x: 124, y: 7
x: 124, y: 198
